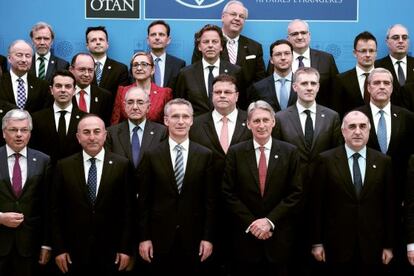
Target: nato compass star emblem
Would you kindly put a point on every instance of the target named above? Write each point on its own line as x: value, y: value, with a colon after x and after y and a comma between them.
x: 199, y: 4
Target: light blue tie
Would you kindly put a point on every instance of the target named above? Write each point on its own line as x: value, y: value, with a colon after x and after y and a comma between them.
x: 135, y: 146
x: 98, y: 72
x: 157, y: 73
x: 179, y: 167
x: 284, y: 97
x: 382, y: 132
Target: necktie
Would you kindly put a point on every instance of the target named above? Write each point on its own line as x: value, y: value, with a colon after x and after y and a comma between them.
x: 366, y: 93
x: 308, y: 129
x: 224, y: 135
x: 157, y: 73
x: 210, y: 81
x: 21, y: 94
x: 231, y: 49
x: 42, y: 71
x: 262, y: 170
x: 401, y: 76
x: 82, y: 101
x: 300, y: 59
x: 136, y: 146
x: 284, y: 97
x: 62, y: 125
x: 179, y: 167
x: 382, y: 132
x: 17, y: 176
x: 92, y: 181
x: 98, y: 72
x: 357, y: 173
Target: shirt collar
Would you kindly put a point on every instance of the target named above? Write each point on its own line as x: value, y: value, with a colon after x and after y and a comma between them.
x: 394, y: 60
x: 185, y: 144
x: 14, y: 77
x: 360, y: 71
x: 306, y: 54
x: 67, y: 109
x: 236, y: 39
x: 131, y: 125
x: 267, y: 146
x: 350, y: 152
x: 276, y: 77
x: 161, y: 57
x: 101, y: 60
x: 100, y: 156
x: 10, y: 152
x: 375, y: 109
x: 217, y: 116
x: 87, y: 89
x: 46, y: 57
x: 301, y: 108
x: 206, y: 64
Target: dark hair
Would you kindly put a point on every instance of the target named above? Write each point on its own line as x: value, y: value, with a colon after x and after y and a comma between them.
x: 208, y: 27
x: 73, y: 61
x: 159, y: 22
x: 98, y: 28
x: 364, y: 36
x: 226, y: 78
x: 279, y: 42
x: 63, y: 73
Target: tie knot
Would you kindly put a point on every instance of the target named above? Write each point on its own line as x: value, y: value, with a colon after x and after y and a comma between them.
x: 356, y: 156
x: 232, y: 41
x: 41, y: 58
x: 92, y: 160
x: 366, y: 75
x: 381, y: 112
x: 135, y: 129
x: 157, y: 60
x: 282, y: 81
x: 178, y: 148
x: 211, y: 68
x: 62, y: 112
x: 20, y: 81
x: 224, y: 119
x: 300, y: 58
x: 398, y: 62
x: 262, y: 149
x: 98, y: 64
x: 307, y: 111
x: 82, y: 92
x: 16, y: 155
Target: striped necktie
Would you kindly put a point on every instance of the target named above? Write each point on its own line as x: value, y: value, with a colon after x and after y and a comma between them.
x: 179, y: 167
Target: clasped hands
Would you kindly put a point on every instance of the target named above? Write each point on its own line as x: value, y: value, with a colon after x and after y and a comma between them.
x: 261, y: 229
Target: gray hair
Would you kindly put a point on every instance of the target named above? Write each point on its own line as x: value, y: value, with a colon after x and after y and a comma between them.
x: 42, y: 25
x: 180, y: 101
x: 305, y: 70
x: 16, y: 115
x: 380, y: 70
x: 393, y: 26
x: 295, y: 21
x: 134, y: 88
x: 9, y: 50
x: 246, y: 11
x: 259, y: 105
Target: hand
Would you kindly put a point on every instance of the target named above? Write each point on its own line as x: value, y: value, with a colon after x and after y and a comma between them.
x: 410, y: 256
x: 318, y: 253
x: 11, y: 219
x: 44, y: 256
x: 261, y: 229
x: 387, y: 256
x: 206, y: 248
x: 146, y: 250
x: 122, y: 260
x: 62, y: 261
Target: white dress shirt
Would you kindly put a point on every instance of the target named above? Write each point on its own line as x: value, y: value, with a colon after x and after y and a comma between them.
x: 22, y: 163
x: 362, y: 161
x: 56, y: 112
x: 173, y: 152
x: 361, y: 78
x: 231, y: 123
x: 46, y: 61
x: 403, y: 65
x: 87, y: 96
x: 99, y: 166
x: 303, y: 116
x: 387, y: 116
x: 206, y: 71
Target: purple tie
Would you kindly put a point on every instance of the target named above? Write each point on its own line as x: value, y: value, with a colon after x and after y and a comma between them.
x: 17, y: 176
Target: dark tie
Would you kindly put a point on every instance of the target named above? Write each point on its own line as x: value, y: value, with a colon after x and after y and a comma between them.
x: 401, y: 76
x: 284, y: 97
x: 42, y: 71
x: 210, y: 81
x: 17, y: 176
x: 136, y: 146
x: 157, y: 73
x: 300, y: 59
x: 357, y: 173
x: 179, y: 167
x: 98, y: 72
x: 21, y: 94
x: 82, y: 101
x: 382, y: 132
x: 262, y: 170
x: 92, y: 181
x: 308, y: 129
x: 62, y: 125
x: 366, y: 93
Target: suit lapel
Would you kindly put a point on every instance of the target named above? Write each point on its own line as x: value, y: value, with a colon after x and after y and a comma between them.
x: 6, y: 82
x: 273, y: 161
x: 50, y: 67
x: 272, y: 91
x: 320, y: 122
x: 124, y: 138
x: 344, y: 172
x: 410, y: 69
x: 199, y: 79
x: 293, y: 115
x: 239, y: 129
x: 4, y: 169
x: 165, y: 158
x: 210, y: 131
x: 241, y: 50
x: 395, y: 129
x: 147, y: 137
x: 168, y: 69
x: 79, y: 171
x: 250, y: 157
x: 370, y: 171
x: 107, y: 167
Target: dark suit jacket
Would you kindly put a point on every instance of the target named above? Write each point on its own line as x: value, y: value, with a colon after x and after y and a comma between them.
x: 265, y: 90
x: 349, y: 226
x: 83, y: 230
x: 118, y: 138
x: 406, y: 96
x: 191, y: 85
x: 3, y: 64
x: 280, y: 203
x: 114, y: 74
x: 173, y: 66
x: 409, y: 201
x: 38, y: 95
x: 166, y: 215
x: 33, y: 203
x: 54, y: 65
x: 4, y: 108
x: 44, y: 132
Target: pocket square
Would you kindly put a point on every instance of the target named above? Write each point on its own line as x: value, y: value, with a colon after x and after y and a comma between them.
x: 251, y: 57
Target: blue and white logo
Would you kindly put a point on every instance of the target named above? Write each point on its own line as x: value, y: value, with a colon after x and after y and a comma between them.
x: 199, y: 4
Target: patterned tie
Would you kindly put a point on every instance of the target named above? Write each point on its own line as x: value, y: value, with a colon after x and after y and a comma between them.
x: 224, y: 134
x: 17, y: 176
x: 284, y: 97
x: 300, y: 59
x: 262, y: 170
x: 231, y: 49
x: 157, y: 73
x: 136, y: 146
x: 21, y: 94
x: 42, y: 69
x: 210, y: 81
x: 357, y: 173
x: 62, y: 125
x: 98, y: 72
x: 366, y: 93
x: 308, y: 129
x: 401, y: 76
x: 92, y: 181
x: 382, y: 132
x: 179, y: 167
x: 82, y: 101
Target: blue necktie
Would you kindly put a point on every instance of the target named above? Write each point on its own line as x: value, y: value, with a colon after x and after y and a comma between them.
x: 21, y: 94
x: 357, y: 173
x: 92, y: 181
x: 179, y: 167
x: 157, y: 73
x: 300, y: 59
x: 98, y: 72
x: 382, y: 132
x: 284, y: 97
x: 136, y: 146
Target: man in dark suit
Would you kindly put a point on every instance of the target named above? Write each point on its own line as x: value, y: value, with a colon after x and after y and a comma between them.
x: 3, y: 65
x: 168, y: 66
x: 54, y: 128
x: 92, y: 206
x: 195, y: 81
x: 18, y: 86
x: 44, y: 63
x: 24, y: 176
x: 276, y: 89
x: 4, y: 108
x: 239, y: 49
x: 176, y: 199
x: 109, y: 73
x: 120, y: 137
x: 262, y: 187
x: 90, y: 98
x: 409, y: 216
x: 351, y: 86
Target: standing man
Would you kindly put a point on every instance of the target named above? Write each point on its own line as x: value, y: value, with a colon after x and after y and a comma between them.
x: 92, y: 206
x: 176, y: 198
x: 44, y: 63
x: 18, y: 86
x: 262, y: 187
x: 24, y: 176
x: 109, y: 73
x: 166, y: 66
x: 351, y: 87
x: 276, y: 89
x: 195, y: 82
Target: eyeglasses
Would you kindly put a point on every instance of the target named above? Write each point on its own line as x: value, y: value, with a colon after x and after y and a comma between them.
x: 295, y: 34
x: 137, y: 102
x: 16, y: 130
x: 235, y: 14
x: 84, y: 70
x: 144, y: 65
x: 398, y: 37
x: 369, y: 51
x: 226, y: 93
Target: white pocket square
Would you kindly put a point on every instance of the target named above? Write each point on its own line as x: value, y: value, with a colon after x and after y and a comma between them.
x: 251, y: 57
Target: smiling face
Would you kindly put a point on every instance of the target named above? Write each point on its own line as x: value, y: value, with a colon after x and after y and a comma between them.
x: 178, y: 120
x: 299, y: 36
x: 233, y: 20
x: 142, y: 68
x: 20, y: 58
x: 261, y: 123
x: 281, y: 59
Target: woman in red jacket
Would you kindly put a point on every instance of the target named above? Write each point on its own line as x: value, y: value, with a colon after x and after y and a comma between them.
x: 142, y: 69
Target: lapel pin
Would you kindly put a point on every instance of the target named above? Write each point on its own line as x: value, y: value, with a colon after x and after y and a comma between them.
x: 243, y: 124
x: 374, y: 166
x: 110, y: 162
x: 276, y: 156
x: 31, y: 86
x: 152, y: 132
x: 52, y: 61
x: 395, y: 115
x: 96, y: 99
x: 77, y: 117
x: 34, y: 159
x: 226, y: 71
x: 109, y: 67
x: 323, y: 115
x: 245, y: 46
x: 155, y: 92
x: 1, y: 110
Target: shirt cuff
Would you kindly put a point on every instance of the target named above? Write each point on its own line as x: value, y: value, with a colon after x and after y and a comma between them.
x: 46, y: 247
x: 271, y: 223
x: 410, y: 247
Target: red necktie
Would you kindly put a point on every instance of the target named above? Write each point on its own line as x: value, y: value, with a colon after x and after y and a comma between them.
x: 17, y: 176
x: 82, y: 102
x: 262, y: 170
